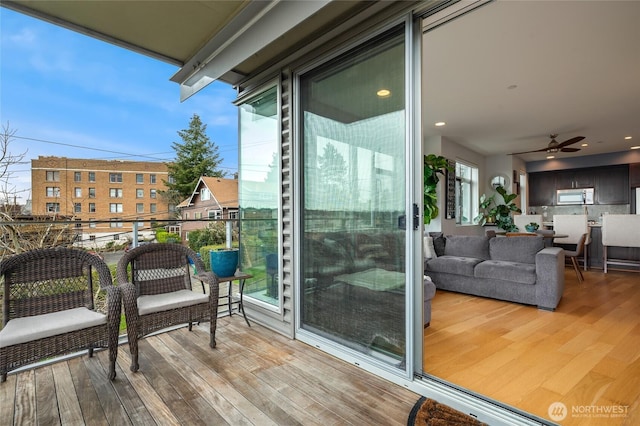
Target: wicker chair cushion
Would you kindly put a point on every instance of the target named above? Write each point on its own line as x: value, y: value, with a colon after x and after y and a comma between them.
x: 27, y: 329
x: 166, y: 301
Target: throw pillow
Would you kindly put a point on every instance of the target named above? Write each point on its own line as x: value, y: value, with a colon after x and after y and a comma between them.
x: 429, y: 250
x: 439, y: 242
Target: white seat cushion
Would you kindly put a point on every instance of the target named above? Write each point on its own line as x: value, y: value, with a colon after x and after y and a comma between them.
x: 27, y: 329
x: 167, y: 301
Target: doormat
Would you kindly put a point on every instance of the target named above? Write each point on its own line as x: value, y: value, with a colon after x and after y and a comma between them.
x: 431, y: 413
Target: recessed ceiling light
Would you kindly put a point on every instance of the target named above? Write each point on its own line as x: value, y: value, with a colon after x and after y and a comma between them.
x: 635, y: 147
x: 513, y: 86
x: 440, y: 123
x: 585, y: 144
x: 383, y: 93
x: 627, y: 137
x: 549, y: 157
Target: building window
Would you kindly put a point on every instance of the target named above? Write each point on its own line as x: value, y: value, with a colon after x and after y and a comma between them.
x: 186, y: 236
x: 115, y: 192
x: 152, y: 193
x: 215, y: 214
x: 53, y: 176
x: 197, y: 215
x: 53, y: 207
x: 92, y: 237
x: 77, y: 176
x: 115, y: 208
x: 466, y: 193
x: 171, y: 179
x: 139, y: 208
x: 116, y: 236
x: 77, y: 207
x: 205, y: 194
x: 114, y: 223
x: 152, y: 179
x: 92, y: 207
x: 92, y: 224
x: 115, y: 177
x: 77, y: 192
x: 53, y: 191
x: 152, y: 207
x: 233, y: 214
x: 92, y: 176
x: 92, y: 193
x: 140, y: 222
x: 139, y: 193
x: 139, y: 178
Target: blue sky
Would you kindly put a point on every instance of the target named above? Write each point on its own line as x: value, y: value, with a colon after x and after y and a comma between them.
x: 107, y: 102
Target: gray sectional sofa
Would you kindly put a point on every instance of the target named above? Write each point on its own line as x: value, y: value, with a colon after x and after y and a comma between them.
x: 516, y: 269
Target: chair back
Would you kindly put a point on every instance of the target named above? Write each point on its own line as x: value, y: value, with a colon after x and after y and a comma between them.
x: 621, y: 230
x: 520, y: 220
x: 158, y: 268
x: 573, y: 225
x: 43, y: 281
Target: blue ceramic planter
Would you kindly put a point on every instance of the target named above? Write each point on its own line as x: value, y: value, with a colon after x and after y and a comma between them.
x: 224, y: 262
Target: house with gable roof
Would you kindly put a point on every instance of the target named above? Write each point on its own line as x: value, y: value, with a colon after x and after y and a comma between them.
x: 213, y: 198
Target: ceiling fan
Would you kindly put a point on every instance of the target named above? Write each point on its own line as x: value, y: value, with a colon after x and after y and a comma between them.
x: 555, y: 146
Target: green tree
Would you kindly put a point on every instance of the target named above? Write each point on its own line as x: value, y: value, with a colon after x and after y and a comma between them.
x: 196, y: 156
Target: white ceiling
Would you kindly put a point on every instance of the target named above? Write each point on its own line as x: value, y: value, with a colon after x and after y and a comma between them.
x: 575, y: 65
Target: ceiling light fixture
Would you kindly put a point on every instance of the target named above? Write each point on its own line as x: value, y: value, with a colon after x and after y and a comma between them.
x: 440, y: 124
x: 627, y: 137
x: 635, y: 147
x: 383, y: 93
x: 549, y: 157
x: 585, y: 144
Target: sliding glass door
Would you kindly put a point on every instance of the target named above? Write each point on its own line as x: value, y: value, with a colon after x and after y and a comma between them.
x: 353, y: 204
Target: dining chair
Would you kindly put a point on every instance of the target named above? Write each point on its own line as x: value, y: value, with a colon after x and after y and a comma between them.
x: 575, y: 254
x: 155, y: 280
x: 572, y: 225
x: 49, y: 307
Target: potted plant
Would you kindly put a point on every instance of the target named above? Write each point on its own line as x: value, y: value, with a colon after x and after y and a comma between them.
x: 531, y: 227
x: 498, y: 213
x: 434, y: 165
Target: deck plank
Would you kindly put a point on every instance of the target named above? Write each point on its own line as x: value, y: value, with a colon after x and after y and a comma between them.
x: 46, y: 402
x: 25, y: 409
x: 111, y: 406
x: 70, y: 412
x: 7, y: 396
x: 92, y: 412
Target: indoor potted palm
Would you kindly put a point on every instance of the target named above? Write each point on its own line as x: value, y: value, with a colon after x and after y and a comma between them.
x: 435, y: 166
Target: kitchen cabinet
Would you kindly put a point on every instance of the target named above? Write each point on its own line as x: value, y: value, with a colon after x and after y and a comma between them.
x: 634, y: 175
x: 575, y: 178
x: 542, y: 189
x: 612, y: 185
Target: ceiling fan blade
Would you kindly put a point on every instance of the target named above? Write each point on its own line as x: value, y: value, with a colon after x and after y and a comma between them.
x: 528, y: 152
x: 569, y: 149
x: 570, y: 141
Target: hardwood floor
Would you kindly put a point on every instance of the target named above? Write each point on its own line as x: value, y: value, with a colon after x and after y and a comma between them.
x: 253, y: 377
x: 586, y: 354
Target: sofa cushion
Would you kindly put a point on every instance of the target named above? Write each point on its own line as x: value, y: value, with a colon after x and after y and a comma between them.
x: 453, y: 265
x: 515, y: 249
x: 524, y: 273
x: 467, y: 246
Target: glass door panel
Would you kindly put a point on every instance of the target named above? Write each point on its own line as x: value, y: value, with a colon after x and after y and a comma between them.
x: 354, y: 199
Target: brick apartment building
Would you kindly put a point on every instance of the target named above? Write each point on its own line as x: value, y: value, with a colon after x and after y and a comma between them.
x: 102, y: 195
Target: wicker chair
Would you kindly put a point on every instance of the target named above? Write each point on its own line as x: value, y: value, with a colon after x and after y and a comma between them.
x: 49, y: 310
x: 155, y: 280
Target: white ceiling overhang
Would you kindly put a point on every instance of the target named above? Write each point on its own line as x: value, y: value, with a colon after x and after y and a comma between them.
x: 208, y: 40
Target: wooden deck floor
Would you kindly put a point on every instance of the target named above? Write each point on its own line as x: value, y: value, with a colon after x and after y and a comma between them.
x: 253, y: 377
x: 586, y: 354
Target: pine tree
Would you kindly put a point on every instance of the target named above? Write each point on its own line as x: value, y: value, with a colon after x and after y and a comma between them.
x: 196, y: 156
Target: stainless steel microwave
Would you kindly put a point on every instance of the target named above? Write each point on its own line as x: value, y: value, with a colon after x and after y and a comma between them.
x: 574, y: 196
